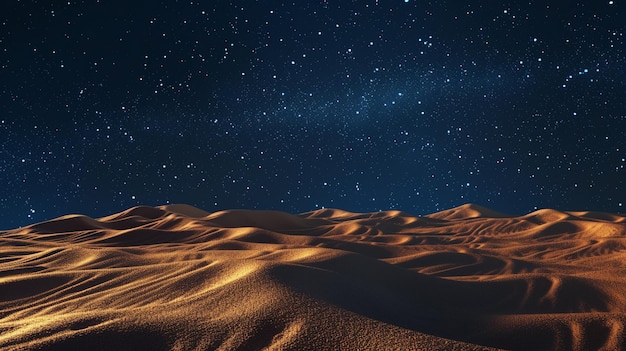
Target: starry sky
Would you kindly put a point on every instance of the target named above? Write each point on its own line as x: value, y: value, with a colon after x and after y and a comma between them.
x: 361, y: 105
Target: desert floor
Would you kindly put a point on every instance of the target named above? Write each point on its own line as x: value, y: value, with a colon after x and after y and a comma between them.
x: 178, y: 278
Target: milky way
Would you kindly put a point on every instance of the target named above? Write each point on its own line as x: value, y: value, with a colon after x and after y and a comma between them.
x: 360, y: 105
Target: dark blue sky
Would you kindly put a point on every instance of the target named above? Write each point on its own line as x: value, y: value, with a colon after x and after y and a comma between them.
x: 359, y: 105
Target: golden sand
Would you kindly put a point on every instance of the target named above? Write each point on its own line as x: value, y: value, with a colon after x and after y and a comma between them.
x: 178, y: 278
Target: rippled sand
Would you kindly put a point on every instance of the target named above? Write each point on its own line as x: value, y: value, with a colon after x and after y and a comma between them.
x: 178, y: 278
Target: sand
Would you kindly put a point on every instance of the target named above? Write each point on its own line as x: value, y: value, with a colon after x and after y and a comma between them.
x: 178, y: 278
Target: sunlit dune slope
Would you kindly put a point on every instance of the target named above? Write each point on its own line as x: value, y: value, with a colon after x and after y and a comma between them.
x: 178, y: 278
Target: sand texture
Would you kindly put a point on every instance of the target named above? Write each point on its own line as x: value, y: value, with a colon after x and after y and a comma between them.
x: 178, y: 278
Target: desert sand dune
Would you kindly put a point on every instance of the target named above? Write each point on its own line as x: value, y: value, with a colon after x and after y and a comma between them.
x: 178, y: 278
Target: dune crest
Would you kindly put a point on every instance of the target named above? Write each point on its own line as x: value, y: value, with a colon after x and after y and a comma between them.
x: 185, y: 210
x: 467, y: 211
x: 177, y: 277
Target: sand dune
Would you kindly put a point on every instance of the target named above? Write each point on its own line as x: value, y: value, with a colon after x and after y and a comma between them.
x: 178, y: 278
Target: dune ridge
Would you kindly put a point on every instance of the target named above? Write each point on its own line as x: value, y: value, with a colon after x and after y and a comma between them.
x: 175, y: 277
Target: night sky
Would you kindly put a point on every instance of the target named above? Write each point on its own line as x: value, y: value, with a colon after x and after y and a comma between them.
x: 360, y: 105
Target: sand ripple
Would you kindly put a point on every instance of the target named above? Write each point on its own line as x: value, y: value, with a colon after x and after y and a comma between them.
x: 179, y: 278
